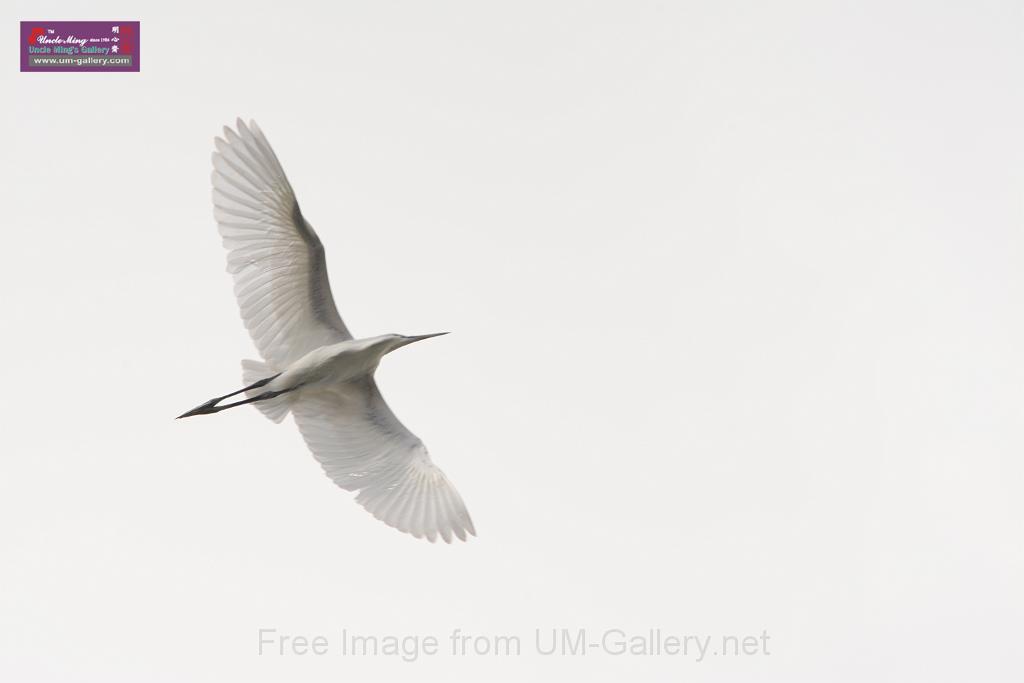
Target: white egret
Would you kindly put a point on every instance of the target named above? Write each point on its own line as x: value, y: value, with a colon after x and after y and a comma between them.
x: 312, y: 366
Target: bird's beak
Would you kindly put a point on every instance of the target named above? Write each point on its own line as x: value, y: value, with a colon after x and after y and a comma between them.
x: 409, y: 340
x: 421, y: 337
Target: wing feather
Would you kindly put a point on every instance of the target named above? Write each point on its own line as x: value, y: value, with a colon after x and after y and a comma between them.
x: 274, y: 256
x: 363, y: 447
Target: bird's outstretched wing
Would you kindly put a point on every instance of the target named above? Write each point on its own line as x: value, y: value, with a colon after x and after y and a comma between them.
x: 274, y: 255
x: 362, y: 446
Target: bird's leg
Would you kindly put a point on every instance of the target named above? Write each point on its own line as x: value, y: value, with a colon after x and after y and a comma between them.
x: 254, y: 385
x: 211, y: 405
x: 262, y: 397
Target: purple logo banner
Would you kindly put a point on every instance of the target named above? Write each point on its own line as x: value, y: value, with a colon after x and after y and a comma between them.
x: 79, y: 46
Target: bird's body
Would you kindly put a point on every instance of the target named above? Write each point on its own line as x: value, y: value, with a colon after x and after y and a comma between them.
x: 334, y: 363
x: 313, y: 368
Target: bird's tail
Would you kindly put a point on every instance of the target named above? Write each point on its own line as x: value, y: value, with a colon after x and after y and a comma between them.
x: 274, y: 408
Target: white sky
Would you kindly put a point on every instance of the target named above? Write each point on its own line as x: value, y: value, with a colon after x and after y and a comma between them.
x: 736, y: 303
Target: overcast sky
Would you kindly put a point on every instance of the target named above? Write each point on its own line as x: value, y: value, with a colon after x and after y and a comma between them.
x: 737, y: 314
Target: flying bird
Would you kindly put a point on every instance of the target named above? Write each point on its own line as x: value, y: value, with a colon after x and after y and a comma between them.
x: 312, y: 366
